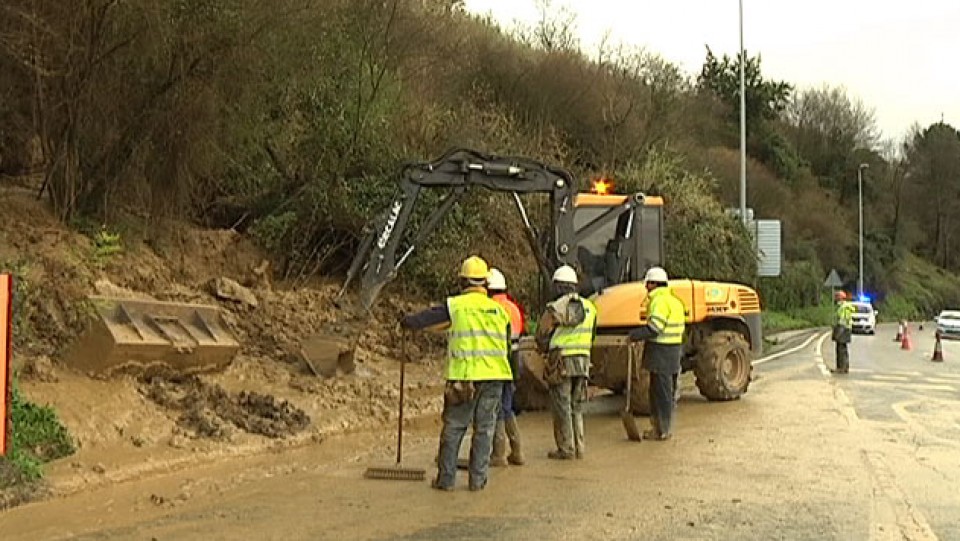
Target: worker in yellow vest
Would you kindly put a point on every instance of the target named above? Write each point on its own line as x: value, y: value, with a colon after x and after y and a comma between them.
x: 478, y: 349
x: 565, y: 333
x: 663, y: 350
x: 842, y: 331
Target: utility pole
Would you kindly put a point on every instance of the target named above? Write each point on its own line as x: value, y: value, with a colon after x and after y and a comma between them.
x: 743, y: 127
x: 860, y: 193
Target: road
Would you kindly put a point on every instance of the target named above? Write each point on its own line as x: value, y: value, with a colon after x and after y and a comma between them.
x: 871, y: 455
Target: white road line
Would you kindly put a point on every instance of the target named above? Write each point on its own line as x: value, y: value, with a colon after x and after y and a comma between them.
x: 779, y: 354
x: 912, y: 386
x: 820, y: 364
x: 895, y: 512
x: 889, y: 377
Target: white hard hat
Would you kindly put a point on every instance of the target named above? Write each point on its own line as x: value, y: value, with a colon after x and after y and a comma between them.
x: 656, y: 274
x: 496, y: 280
x: 565, y: 274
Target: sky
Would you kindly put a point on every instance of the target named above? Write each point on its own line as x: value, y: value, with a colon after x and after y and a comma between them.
x: 900, y: 58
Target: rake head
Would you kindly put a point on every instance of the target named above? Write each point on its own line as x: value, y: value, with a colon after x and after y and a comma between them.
x: 396, y: 473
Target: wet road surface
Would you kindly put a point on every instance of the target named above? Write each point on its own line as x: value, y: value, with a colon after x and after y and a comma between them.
x: 805, y: 455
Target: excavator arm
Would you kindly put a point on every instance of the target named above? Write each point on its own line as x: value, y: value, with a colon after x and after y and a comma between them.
x: 388, y: 243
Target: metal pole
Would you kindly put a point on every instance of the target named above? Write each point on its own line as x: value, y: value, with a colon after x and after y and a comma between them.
x: 743, y: 127
x: 860, y: 196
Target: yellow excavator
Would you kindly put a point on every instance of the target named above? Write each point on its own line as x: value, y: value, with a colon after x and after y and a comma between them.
x: 610, y: 239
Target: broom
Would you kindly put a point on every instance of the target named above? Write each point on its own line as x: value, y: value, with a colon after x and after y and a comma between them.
x: 399, y: 473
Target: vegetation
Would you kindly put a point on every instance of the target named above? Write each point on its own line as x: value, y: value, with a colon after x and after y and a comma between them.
x: 38, y: 435
x: 288, y: 120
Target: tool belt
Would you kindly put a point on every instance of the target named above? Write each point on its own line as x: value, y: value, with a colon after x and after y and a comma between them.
x: 554, y: 369
x: 458, y: 392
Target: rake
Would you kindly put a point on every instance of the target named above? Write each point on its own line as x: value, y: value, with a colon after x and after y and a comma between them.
x: 398, y: 472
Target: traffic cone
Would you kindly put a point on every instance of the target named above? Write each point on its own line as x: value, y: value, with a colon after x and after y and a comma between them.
x: 937, y: 351
x: 899, y: 337
x: 906, y: 343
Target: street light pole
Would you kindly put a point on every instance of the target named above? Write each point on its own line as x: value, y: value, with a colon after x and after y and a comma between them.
x: 743, y: 128
x: 860, y: 193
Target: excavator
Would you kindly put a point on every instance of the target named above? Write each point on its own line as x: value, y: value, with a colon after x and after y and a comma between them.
x: 611, y: 240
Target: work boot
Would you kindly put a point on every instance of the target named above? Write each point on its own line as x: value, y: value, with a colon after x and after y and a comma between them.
x: 499, y: 456
x: 560, y: 455
x: 516, y: 449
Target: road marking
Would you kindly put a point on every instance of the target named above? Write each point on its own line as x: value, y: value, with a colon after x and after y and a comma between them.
x: 894, y: 507
x: 916, y: 426
x: 819, y: 351
x: 889, y: 377
x: 779, y: 354
x: 911, y: 386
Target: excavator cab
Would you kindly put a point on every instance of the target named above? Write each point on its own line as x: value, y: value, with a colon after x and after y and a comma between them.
x: 617, y: 241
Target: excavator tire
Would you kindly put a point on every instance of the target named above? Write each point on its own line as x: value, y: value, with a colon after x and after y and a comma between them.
x: 723, y: 366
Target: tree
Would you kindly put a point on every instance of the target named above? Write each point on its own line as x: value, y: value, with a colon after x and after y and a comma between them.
x: 934, y: 169
x: 765, y: 99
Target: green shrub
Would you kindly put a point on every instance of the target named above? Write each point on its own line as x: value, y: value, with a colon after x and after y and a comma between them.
x: 38, y: 437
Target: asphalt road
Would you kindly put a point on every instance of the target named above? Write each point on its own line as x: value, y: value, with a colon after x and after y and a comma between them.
x: 804, y: 455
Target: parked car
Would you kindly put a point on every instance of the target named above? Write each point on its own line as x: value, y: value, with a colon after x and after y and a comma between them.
x: 865, y: 318
x: 948, y: 324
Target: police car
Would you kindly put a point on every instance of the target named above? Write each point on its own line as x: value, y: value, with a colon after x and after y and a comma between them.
x: 865, y: 318
x: 948, y: 324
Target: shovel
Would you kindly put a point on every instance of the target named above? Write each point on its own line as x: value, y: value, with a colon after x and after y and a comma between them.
x: 629, y: 422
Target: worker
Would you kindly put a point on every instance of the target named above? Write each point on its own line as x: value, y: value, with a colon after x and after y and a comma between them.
x: 478, y: 346
x: 565, y: 333
x: 663, y: 350
x: 507, y: 428
x: 842, y: 331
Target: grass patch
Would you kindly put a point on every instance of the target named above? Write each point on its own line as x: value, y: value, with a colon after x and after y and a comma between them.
x: 38, y: 437
x: 800, y: 318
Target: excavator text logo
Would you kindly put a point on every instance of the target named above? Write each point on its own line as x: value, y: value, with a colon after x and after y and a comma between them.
x: 391, y: 223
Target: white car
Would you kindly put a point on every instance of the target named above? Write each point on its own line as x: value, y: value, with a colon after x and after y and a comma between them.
x: 948, y: 324
x: 865, y: 318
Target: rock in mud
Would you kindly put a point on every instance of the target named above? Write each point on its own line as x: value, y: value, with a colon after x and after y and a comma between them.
x: 209, y: 411
x: 228, y: 289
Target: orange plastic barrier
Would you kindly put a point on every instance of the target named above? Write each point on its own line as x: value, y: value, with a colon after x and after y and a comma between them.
x: 6, y: 348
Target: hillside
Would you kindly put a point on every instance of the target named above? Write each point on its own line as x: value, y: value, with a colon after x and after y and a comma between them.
x: 130, y: 425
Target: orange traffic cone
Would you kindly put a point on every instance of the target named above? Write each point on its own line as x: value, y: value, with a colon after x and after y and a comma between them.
x: 906, y: 343
x: 937, y: 351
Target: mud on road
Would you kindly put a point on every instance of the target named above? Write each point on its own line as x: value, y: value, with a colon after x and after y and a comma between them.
x: 788, y: 461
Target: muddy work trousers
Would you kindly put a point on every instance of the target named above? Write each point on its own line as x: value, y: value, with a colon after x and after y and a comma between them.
x: 480, y: 412
x: 566, y: 403
x: 662, y: 400
x: 843, y: 357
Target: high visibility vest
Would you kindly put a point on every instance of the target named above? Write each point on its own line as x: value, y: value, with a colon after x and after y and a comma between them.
x: 516, y: 316
x: 665, y: 314
x: 844, y: 314
x: 477, y: 343
x: 579, y: 339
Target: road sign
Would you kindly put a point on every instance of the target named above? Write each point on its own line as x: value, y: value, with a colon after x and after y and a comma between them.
x: 6, y: 347
x: 767, y: 237
x: 833, y: 280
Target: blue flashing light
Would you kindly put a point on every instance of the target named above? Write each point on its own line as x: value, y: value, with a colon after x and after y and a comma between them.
x: 864, y: 298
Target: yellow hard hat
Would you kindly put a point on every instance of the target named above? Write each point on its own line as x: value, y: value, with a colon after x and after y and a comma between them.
x: 474, y: 268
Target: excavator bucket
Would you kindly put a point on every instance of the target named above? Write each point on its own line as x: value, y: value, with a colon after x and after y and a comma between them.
x: 133, y: 335
x: 329, y: 353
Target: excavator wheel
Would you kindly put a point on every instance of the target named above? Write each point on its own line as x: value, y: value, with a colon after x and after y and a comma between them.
x: 723, y: 366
